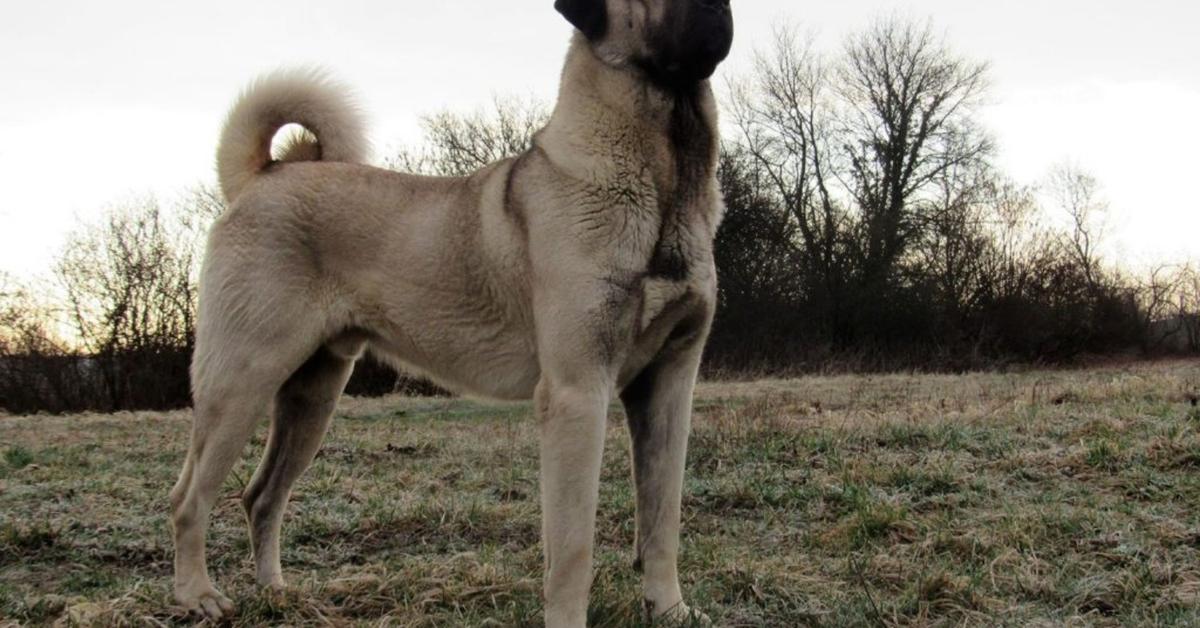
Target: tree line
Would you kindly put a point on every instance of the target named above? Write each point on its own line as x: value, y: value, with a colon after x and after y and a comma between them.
x: 867, y: 227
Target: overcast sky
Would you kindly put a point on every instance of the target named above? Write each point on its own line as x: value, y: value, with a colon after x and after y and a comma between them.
x: 104, y: 100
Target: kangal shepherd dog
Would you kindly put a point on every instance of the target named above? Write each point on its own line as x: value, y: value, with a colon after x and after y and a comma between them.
x: 579, y: 270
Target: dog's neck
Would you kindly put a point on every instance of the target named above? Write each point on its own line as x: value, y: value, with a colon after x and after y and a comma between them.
x: 595, y: 98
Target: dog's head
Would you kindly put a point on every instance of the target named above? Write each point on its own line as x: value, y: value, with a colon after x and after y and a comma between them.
x: 675, y: 42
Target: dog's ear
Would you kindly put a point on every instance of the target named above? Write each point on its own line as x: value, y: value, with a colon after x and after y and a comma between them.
x: 589, y: 16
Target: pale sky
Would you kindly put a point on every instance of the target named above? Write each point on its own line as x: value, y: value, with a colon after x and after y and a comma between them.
x: 106, y: 100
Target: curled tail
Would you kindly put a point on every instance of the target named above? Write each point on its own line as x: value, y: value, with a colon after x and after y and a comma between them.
x: 333, y: 124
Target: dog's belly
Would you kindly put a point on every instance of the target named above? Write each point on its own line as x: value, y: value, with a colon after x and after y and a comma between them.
x: 466, y: 351
x: 505, y: 373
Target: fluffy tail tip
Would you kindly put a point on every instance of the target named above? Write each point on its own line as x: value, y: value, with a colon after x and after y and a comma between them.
x: 333, y: 126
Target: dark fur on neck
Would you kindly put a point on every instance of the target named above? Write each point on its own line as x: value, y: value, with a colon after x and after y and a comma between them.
x: 693, y: 149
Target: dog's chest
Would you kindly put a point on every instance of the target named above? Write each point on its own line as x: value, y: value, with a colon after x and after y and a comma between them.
x: 658, y: 295
x: 680, y: 263
x: 679, y: 268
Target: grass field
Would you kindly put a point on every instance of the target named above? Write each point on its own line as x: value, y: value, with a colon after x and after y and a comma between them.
x: 1040, y: 498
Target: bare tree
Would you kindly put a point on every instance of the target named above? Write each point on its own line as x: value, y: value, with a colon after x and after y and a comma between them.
x: 952, y: 251
x: 1016, y: 234
x: 199, y: 207
x: 784, y: 117
x: 26, y: 320
x: 1189, y: 307
x: 36, y: 370
x: 1159, y: 294
x: 194, y: 215
x: 785, y: 113
x: 861, y: 151
x: 1077, y: 194
x: 907, y: 118
x: 457, y: 144
x: 131, y: 298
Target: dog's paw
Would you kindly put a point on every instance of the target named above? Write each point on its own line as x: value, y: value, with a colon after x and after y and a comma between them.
x: 272, y: 585
x: 208, y: 603
x: 680, y: 615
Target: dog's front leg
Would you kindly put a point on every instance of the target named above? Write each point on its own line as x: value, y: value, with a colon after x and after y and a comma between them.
x: 658, y: 404
x: 573, y: 418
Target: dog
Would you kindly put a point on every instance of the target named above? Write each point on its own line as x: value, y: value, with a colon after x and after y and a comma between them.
x: 577, y: 271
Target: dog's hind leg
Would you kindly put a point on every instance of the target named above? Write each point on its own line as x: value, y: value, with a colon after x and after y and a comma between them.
x: 303, y: 409
x: 658, y: 404
x: 219, y: 433
x: 234, y: 378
